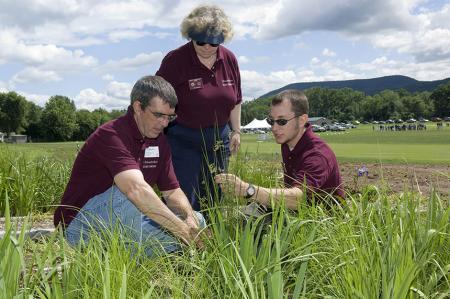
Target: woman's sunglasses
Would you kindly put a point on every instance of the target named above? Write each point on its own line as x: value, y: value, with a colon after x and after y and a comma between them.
x: 280, y: 122
x: 201, y: 44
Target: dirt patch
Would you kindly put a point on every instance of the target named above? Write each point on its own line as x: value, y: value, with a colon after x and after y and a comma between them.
x: 398, y: 178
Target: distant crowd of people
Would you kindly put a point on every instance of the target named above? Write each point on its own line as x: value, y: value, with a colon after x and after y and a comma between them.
x: 402, y: 127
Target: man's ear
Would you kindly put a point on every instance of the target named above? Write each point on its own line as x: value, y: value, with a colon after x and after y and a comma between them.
x: 137, y: 107
x: 303, y: 119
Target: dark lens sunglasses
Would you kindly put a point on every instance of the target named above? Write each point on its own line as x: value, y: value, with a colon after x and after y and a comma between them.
x: 201, y: 44
x: 280, y: 122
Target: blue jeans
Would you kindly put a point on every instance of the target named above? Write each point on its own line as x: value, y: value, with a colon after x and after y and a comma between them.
x: 196, y: 156
x: 113, y: 211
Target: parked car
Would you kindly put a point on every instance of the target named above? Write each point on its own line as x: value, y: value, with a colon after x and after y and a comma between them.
x: 317, y: 128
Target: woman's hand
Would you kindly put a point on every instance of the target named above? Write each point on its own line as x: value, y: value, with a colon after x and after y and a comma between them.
x: 235, y: 142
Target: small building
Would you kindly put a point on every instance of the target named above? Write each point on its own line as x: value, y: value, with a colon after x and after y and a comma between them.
x: 320, y: 121
x: 16, y: 138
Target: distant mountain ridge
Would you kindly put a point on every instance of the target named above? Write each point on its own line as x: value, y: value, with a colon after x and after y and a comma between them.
x: 368, y: 86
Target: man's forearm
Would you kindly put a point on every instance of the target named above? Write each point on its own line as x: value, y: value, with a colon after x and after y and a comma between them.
x: 178, y: 203
x: 291, y: 196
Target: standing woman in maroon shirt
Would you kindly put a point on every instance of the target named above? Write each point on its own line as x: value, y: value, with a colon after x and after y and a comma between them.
x: 205, y: 76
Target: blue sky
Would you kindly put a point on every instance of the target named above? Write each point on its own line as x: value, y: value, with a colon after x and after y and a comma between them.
x: 94, y: 50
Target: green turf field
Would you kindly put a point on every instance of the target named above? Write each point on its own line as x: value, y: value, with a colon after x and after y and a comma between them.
x: 363, y: 144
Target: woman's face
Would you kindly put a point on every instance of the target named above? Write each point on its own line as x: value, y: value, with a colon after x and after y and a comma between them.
x: 205, y: 51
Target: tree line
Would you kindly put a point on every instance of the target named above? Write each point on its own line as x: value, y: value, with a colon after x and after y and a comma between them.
x: 347, y: 104
x: 59, y: 120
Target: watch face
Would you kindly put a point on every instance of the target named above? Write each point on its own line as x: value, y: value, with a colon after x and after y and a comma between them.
x: 250, y: 191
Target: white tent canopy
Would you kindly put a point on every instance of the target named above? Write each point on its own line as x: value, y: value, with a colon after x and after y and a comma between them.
x: 257, y: 124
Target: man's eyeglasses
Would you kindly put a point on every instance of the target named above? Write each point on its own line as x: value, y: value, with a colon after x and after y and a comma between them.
x: 201, y: 44
x: 280, y: 122
x: 159, y: 115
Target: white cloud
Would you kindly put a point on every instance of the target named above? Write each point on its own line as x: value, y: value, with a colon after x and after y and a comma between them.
x: 33, y: 74
x: 14, y: 50
x: 315, y: 60
x: 43, y: 63
x: 119, y: 90
x: 243, y: 59
x: 255, y: 84
x: 341, y: 16
x: 327, y: 52
x: 3, y: 87
x: 38, y: 99
x: 108, y: 77
x: 140, y: 60
x: 117, y: 96
x: 117, y: 36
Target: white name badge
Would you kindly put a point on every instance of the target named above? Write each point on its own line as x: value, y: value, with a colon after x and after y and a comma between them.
x: 151, y: 152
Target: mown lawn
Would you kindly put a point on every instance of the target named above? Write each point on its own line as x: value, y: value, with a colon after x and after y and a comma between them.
x: 362, y: 144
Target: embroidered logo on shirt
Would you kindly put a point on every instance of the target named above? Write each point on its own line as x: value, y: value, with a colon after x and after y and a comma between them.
x: 150, y: 163
x: 229, y: 82
x: 195, y: 83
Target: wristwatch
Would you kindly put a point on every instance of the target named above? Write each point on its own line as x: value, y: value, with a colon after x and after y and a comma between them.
x: 250, y: 191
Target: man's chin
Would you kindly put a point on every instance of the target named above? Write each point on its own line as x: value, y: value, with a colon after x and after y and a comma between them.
x: 154, y: 134
x: 279, y: 140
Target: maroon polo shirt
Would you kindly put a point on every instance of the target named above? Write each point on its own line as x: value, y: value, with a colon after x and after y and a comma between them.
x: 115, y: 147
x: 205, y: 96
x: 312, y: 161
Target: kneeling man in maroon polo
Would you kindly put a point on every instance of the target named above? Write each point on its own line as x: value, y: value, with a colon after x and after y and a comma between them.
x: 308, y: 161
x: 110, y: 187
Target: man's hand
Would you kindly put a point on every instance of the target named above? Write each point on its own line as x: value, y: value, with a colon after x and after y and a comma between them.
x: 231, y: 183
x: 194, y: 231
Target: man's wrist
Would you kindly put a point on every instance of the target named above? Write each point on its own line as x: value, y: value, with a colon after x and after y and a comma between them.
x: 250, y: 191
x: 235, y: 132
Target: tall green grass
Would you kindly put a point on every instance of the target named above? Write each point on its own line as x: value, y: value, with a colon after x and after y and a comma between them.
x: 367, y: 249
x: 34, y: 183
x: 374, y: 246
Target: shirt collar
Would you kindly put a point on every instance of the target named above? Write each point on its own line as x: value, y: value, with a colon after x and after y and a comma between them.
x: 300, y: 146
x: 132, y: 123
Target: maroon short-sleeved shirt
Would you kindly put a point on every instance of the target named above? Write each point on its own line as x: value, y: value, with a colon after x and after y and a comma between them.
x: 115, y: 147
x: 205, y: 96
x: 312, y: 161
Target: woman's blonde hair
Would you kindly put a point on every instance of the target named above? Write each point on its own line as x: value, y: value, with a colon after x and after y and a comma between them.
x: 208, y: 19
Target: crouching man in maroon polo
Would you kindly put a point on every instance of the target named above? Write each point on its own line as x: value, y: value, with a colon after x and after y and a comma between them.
x: 110, y: 185
x: 307, y: 159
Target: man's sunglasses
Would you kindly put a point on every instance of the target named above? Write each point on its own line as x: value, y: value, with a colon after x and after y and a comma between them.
x: 280, y: 122
x: 201, y: 44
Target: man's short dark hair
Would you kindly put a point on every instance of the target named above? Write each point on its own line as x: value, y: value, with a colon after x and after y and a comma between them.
x: 149, y: 87
x: 298, y: 100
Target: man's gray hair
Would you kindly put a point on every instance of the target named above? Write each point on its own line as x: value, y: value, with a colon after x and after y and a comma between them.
x: 298, y: 100
x: 208, y: 19
x: 149, y: 87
